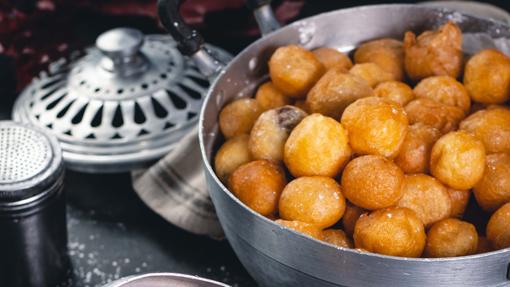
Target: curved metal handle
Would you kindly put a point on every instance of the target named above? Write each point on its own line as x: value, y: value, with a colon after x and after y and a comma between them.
x: 264, y: 15
x: 191, y: 43
x: 188, y: 39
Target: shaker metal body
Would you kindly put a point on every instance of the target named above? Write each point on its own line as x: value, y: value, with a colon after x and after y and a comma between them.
x: 33, y: 236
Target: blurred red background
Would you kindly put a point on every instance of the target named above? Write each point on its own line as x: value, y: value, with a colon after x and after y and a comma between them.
x: 34, y: 33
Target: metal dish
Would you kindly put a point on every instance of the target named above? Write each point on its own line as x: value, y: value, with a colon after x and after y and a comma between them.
x: 276, y: 256
x: 164, y: 280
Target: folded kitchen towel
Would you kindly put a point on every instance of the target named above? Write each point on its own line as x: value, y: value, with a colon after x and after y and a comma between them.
x: 175, y: 188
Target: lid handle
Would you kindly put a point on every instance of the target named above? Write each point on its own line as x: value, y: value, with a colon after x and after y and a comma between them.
x: 121, y: 47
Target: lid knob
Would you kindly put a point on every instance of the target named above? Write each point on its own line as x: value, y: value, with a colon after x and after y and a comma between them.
x: 120, y: 42
x: 121, y: 47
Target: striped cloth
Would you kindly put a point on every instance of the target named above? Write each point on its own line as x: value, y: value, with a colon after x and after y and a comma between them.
x: 175, y: 188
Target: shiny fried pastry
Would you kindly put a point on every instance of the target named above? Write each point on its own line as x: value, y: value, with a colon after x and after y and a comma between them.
x: 393, y: 231
x: 271, y: 131
x: 396, y: 91
x: 337, y: 237
x: 414, y: 155
x: 445, y: 90
x: 238, y: 117
x: 294, y: 70
x: 317, y: 200
x: 431, y: 113
x: 386, y: 53
x: 450, y: 238
x: 269, y: 97
x: 232, y: 154
x: 458, y: 160
x: 318, y: 145
x: 487, y: 77
x: 427, y: 197
x: 258, y: 184
x: 330, y: 58
x: 493, y: 190
x: 372, y: 182
x: 376, y: 126
x: 335, y: 91
x: 491, y: 126
x: 434, y: 53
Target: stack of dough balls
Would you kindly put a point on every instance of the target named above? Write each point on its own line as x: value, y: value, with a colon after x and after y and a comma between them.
x: 380, y: 153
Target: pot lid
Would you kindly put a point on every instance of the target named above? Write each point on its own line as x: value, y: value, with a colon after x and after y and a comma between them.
x: 119, y: 105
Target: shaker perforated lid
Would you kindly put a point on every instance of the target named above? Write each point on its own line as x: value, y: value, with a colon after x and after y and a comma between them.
x: 117, y: 106
x: 30, y: 161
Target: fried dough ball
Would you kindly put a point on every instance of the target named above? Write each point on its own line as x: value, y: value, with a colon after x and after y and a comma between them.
x: 318, y: 145
x: 232, y: 154
x: 487, y: 77
x: 484, y: 245
x: 371, y: 73
x: 460, y: 199
x: 395, y: 91
x: 498, y: 232
x: 302, y: 227
x: 375, y: 126
x: 492, y: 127
x: 434, y: 53
x: 351, y: 216
x: 238, y: 117
x: 393, y: 231
x: 316, y: 200
x: 458, y: 160
x: 337, y: 237
x: 414, y: 155
x: 258, y: 184
x: 387, y: 53
x: 493, y: 190
x: 335, y: 91
x: 372, y: 182
x: 330, y: 58
x: 445, y: 90
x: 271, y: 131
x: 431, y: 113
x: 451, y: 238
x: 427, y: 197
x: 269, y: 97
x: 294, y: 70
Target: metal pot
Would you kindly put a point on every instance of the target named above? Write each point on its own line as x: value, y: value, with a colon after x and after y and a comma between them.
x: 164, y: 280
x: 276, y: 256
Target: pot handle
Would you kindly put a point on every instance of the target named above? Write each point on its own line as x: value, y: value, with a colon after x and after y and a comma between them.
x: 191, y: 43
x: 264, y: 15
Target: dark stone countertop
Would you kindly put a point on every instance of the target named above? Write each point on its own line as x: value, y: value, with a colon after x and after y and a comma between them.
x: 112, y: 234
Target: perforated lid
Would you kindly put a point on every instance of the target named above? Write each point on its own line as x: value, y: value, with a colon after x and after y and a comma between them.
x: 30, y: 160
x: 120, y: 105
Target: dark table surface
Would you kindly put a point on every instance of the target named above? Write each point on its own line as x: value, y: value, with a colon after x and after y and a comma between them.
x: 112, y: 234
